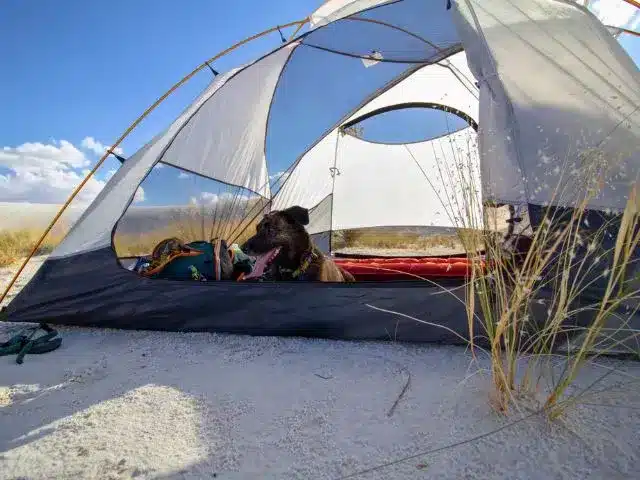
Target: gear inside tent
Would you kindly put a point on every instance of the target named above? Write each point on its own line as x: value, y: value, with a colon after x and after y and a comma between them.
x: 537, y: 87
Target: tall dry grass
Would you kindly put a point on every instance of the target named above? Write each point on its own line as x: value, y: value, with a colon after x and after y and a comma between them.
x: 362, y: 238
x: 374, y: 239
x: 189, y: 224
x: 533, y: 306
x: 133, y: 244
x: 572, y: 289
x: 17, y: 244
x: 566, y: 300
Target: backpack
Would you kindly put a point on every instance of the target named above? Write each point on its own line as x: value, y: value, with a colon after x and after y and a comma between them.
x: 200, y: 260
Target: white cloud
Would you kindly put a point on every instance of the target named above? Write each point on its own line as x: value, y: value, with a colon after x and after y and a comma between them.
x: 209, y: 197
x: 279, y: 177
x: 47, y: 173
x: 183, y: 175
x: 90, y: 143
x: 33, y: 156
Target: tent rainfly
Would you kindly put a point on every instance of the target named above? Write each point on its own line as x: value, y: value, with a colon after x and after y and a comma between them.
x: 538, y: 82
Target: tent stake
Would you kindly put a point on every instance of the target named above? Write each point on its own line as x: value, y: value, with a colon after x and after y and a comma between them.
x: 110, y: 150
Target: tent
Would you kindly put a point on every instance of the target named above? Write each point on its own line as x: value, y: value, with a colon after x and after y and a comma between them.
x: 535, y: 80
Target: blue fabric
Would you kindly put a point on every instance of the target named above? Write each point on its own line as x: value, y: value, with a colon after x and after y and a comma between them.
x: 181, y: 268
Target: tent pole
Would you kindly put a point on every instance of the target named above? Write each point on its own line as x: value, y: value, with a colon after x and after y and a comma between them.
x: 110, y: 150
x: 302, y: 24
x: 635, y: 3
x: 625, y: 30
x: 334, y: 172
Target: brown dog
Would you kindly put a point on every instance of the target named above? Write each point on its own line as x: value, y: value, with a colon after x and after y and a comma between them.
x: 285, y: 251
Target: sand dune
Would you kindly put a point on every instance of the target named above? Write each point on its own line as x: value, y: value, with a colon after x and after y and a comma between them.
x: 32, y: 215
x: 36, y: 215
x: 139, y: 219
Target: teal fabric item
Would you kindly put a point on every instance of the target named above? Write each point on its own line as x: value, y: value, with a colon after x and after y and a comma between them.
x: 241, y: 261
x: 26, y: 342
x: 181, y: 268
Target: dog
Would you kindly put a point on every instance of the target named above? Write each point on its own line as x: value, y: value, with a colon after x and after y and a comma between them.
x: 285, y: 251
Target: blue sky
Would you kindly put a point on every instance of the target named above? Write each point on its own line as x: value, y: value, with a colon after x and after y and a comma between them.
x: 77, y: 73
x: 78, y: 69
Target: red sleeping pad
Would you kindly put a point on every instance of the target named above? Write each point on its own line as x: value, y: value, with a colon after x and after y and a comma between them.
x: 385, y: 269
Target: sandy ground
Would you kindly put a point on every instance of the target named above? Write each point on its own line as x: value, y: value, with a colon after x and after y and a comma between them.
x: 118, y: 405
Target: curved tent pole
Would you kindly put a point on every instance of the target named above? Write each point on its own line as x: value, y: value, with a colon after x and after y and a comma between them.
x: 185, y: 79
x: 401, y: 106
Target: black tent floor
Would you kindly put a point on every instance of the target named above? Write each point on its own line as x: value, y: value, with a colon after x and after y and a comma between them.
x: 92, y: 290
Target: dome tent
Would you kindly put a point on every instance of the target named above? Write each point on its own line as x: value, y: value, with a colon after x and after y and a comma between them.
x: 549, y: 75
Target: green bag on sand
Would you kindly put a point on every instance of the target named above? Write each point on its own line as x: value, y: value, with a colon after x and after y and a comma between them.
x: 26, y: 342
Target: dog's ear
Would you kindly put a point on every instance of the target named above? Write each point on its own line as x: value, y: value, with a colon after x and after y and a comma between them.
x: 299, y: 214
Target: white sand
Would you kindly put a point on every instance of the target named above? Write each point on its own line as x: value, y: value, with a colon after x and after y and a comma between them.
x: 115, y: 405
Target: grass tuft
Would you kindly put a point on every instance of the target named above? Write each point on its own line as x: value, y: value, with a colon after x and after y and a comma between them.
x: 535, y: 306
x: 17, y: 244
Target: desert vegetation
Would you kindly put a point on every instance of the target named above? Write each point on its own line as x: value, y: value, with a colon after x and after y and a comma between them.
x: 188, y: 224
x: 372, y: 239
x: 191, y: 225
x: 563, y: 302
x: 16, y: 244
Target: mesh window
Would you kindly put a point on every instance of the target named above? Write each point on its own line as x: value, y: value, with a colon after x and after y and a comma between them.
x: 187, y: 206
x: 407, y: 125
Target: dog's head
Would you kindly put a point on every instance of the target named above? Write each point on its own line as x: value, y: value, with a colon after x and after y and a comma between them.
x: 281, y: 234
